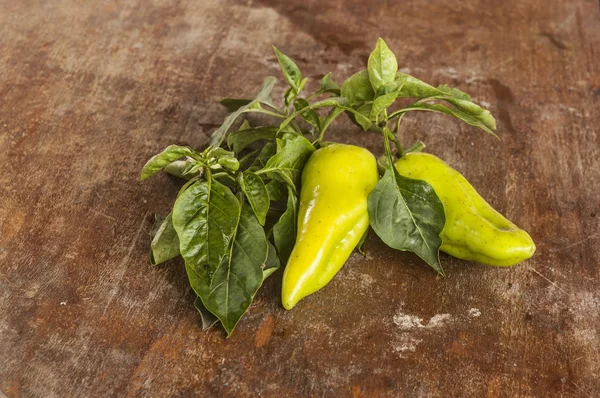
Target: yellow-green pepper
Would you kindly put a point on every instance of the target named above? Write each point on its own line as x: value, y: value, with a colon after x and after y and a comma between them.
x: 332, y: 217
x: 473, y: 231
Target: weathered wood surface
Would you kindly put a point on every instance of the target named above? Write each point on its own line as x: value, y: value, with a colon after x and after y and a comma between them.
x: 90, y: 90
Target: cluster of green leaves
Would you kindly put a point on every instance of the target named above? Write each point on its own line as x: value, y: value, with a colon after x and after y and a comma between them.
x: 234, y: 220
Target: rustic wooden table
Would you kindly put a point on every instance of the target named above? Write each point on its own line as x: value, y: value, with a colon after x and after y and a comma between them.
x: 90, y: 90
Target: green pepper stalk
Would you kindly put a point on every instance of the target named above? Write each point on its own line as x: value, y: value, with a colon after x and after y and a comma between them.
x: 333, y: 216
x: 473, y: 231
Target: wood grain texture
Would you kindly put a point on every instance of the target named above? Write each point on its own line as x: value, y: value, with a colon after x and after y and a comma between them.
x: 90, y: 90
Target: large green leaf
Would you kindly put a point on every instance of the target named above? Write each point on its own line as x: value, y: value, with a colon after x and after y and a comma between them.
x: 205, y: 217
x: 411, y: 87
x: 293, y: 151
x: 382, y: 65
x: 408, y: 215
x: 284, y: 231
x: 484, y: 121
x: 231, y: 291
x: 159, y: 161
x: 255, y: 190
x: 465, y: 109
x: 165, y: 242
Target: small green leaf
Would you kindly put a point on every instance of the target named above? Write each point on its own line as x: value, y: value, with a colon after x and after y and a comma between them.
x: 208, y: 318
x: 266, y: 153
x: 328, y: 85
x: 218, y: 135
x: 181, y: 168
x: 310, y: 115
x: 290, y: 70
x: 284, y: 231
x: 255, y: 190
x: 408, y: 215
x: 240, y: 140
x: 264, y: 95
x: 205, y: 217
x: 333, y: 114
x: 380, y: 104
x: 165, y: 242
x: 229, y: 162
x: 382, y: 65
x: 361, y: 116
x: 272, y: 263
x: 357, y: 88
x: 159, y: 161
x: 293, y: 151
x: 231, y: 291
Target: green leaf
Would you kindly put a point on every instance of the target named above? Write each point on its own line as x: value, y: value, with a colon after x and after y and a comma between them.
x: 380, y: 104
x: 272, y: 264
x: 239, y: 276
x: 205, y: 217
x: 159, y: 161
x: 255, y: 190
x: 276, y: 190
x: 208, y: 318
x: 293, y: 151
x: 333, y: 114
x: 165, y: 242
x: 361, y: 116
x: 181, y: 168
x: 333, y: 102
x: 382, y: 65
x: 240, y: 140
x: 266, y: 153
x: 265, y: 90
x: 408, y: 215
x: 454, y: 92
x: 284, y: 231
x: 233, y: 104
x: 264, y: 95
x: 357, y: 88
x: 465, y: 109
x: 328, y: 85
x: 290, y: 70
x: 484, y: 121
x: 218, y: 135
x: 310, y: 115
x: 411, y: 87
x: 482, y: 115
